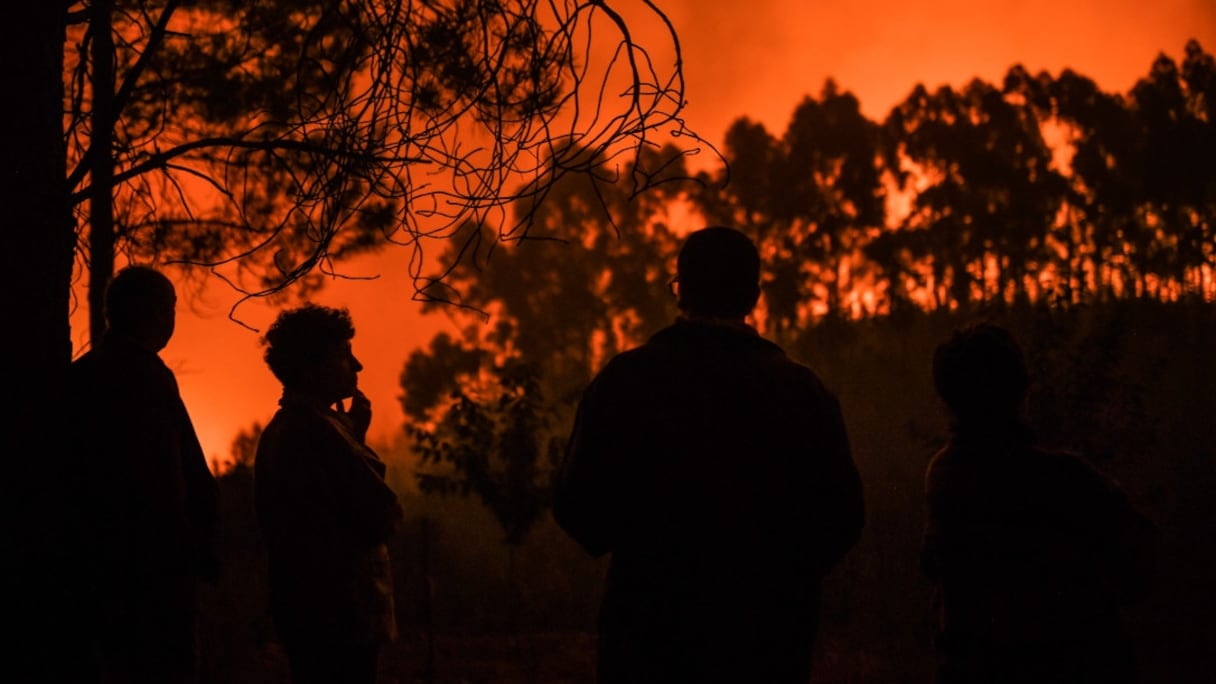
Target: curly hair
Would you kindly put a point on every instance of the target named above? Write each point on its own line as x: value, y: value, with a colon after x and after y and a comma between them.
x: 299, y: 337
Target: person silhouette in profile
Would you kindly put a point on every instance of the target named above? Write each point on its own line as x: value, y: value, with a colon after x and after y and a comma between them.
x: 1032, y: 552
x: 323, y: 508
x: 717, y: 473
x: 147, y: 501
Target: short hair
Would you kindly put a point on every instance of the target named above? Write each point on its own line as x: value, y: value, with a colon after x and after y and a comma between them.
x: 980, y: 371
x: 135, y: 296
x: 299, y: 337
x: 719, y: 273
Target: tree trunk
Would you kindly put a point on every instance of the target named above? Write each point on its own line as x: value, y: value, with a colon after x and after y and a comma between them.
x: 101, y: 168
x: 37, y: 275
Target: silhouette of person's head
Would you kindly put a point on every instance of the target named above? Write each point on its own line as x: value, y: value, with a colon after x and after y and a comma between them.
x: 308, y: 349
x: 141, y: 306
x: 718, y: 270
x: 980, y: 374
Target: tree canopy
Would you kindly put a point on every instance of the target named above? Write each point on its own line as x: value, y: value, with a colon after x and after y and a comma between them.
x: 488, y: 411
x: 266, y: 140
x: 1038, y: 191
x: 269, y: 140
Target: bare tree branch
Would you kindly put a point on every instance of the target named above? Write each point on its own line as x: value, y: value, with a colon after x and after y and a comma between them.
x: 265, y: 144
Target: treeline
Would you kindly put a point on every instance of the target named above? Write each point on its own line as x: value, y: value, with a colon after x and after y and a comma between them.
x: 1080, y: 218
x: 1042, y: 191
x: 1039, y: 187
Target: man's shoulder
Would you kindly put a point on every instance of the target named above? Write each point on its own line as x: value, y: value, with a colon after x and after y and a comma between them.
x: 622, y: 371
x: 295, y: 427
x: 792, y: 378
x: 939, y: 465
x: 669, y: 347
x: 631, y: 359
x: 283, y: 434
x: 636, y: 359
x: 120, y: 372
x: 85, y: 367
x: 739, y: 341
x: 1078, y: 473
x: 96, y: 360
x: 287, y: 420
x: 801, y: 372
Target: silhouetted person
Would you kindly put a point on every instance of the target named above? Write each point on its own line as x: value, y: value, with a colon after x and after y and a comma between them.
x: 717, y: 472
x: 1032, y: 552
x: 146, y: 499
x: 324, y: 510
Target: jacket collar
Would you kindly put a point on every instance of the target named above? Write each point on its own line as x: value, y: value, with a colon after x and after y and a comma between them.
x: 707, y: 330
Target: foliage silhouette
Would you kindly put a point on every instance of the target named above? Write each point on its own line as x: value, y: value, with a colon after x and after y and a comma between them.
x: 1016, y: 195
x: 596, y: 257
x: 494, y: 446
x: 809, y: 197
x: 267, y: 141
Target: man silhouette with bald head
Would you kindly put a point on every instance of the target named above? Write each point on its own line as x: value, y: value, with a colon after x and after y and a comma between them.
x: 717, y: 473
x: 147, y: 501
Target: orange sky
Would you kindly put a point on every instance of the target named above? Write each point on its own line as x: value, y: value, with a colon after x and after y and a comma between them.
x: 755, y: 59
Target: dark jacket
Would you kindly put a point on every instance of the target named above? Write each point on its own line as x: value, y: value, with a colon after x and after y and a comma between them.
x: 717, y: 473
x: 1033, y: 553
x: 145, y: 500
x: 325, y: 514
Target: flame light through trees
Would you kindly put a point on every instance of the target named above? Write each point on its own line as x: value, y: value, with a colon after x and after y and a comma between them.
x: 268, y: 140
x: 754, y: 60
x: 1040, y: 188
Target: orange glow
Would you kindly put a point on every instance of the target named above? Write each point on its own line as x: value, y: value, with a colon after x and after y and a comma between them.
x: 757, y: 59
